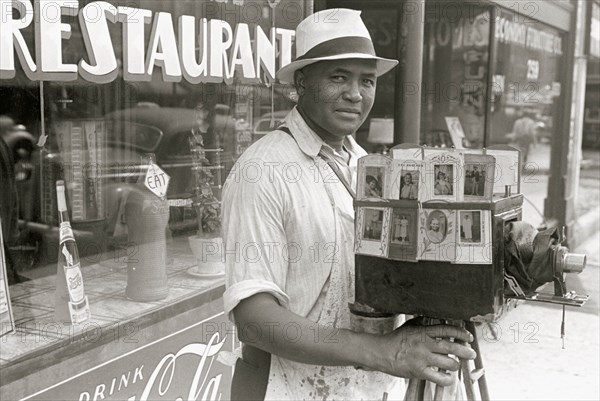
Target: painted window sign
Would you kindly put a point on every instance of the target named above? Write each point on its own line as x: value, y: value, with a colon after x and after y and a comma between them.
x: 186, y: 48
x: 190, y: 364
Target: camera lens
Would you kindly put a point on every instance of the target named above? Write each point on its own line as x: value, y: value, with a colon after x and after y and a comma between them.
x: 574, y: 262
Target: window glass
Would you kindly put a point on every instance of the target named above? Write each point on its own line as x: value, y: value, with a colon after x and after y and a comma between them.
x: 455, y: 71
x: 102, y: 128
x: 527, y: 87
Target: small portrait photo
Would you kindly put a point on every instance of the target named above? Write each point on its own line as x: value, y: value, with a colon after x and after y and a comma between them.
x: 475, y: 179
x: 444, y: 179
x: 402, y: 223
x: 470, y: 226
x: 374, y: 182
x: 437, y: 226
x: 409, y: 184
x: 373, y: 224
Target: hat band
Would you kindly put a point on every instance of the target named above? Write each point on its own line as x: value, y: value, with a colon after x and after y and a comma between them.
x: 344, y: 45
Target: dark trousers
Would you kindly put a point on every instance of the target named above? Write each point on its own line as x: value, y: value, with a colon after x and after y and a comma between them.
x: 251, y: 375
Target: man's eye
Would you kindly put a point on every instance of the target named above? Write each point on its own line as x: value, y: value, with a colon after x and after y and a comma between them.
x: 338, y: 78
x: 369, y: 82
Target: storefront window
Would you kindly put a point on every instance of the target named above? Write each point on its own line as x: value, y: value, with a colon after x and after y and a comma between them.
x: 142, y: 110
x: 527, y: 86
x: 455, y: 73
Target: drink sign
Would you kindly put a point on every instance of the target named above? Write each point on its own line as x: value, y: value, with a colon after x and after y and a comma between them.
x: 157, y: 181
x: 190, y: 364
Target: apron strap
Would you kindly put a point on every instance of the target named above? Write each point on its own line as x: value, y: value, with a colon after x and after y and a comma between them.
x: 330, y: 162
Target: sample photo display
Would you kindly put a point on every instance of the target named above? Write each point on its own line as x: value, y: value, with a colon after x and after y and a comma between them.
x: 372, y: 176
x: 444, y: 179
x: 473, y: 237
x: 373, y: 185
x: 402, y: 234
x: 437, y: 235
x: 470, y: 227
x: 479, y: 176
x: 372, y: 224
x: 409, y: 184
x: 437, y: 225
x: 475, y: 177
x: 372, y: 231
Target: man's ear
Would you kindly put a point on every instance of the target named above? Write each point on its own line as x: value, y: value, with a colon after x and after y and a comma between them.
x: 300, y: 82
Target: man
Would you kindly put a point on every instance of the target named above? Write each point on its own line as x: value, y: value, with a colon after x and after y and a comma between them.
x: 467, y: 225
x: 434, y: 234
x: 289, y: 234
x: 475, y: 181
x: 524, y: 135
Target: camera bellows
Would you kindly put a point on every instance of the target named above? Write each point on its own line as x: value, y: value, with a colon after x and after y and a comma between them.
x: 528, y: 256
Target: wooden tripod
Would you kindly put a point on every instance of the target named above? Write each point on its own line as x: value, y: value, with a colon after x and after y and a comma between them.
x: 416, y: 387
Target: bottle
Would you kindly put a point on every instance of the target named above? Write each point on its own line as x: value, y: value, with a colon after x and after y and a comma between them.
x: 70, y: 303
x: 147, y: 217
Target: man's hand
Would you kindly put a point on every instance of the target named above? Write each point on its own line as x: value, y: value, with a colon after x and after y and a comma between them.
x: 414, y: 351
x: 410, y: 351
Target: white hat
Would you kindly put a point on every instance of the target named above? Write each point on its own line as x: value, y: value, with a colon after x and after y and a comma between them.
x: 332, y: 34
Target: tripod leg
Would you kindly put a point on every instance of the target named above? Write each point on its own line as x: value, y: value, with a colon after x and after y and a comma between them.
x: 464, y: 367
x: 439, y: 393
x: 483, y: 389
x: 415, y: 390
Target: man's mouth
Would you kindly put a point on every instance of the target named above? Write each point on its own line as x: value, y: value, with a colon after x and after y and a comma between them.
x: 349, y: 112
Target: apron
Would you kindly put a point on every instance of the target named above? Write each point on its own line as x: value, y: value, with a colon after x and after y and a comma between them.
x: 297, y: 381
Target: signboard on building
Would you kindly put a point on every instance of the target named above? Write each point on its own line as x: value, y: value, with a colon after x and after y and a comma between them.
x: 186, y: 365
x: 184, y: 48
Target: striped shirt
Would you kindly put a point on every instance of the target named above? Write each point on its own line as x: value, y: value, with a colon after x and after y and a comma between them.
x: 279, y: 222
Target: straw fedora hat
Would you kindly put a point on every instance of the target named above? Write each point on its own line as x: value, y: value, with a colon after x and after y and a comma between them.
x: 333, y: 34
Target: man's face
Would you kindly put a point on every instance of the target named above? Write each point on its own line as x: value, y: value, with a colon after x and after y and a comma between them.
x: 435, y: 225
x: 337, y: 95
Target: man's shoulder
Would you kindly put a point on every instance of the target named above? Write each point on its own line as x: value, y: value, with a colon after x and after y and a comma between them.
x: 277, y: 145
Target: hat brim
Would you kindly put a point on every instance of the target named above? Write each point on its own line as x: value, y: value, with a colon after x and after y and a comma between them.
x: 286, y: 73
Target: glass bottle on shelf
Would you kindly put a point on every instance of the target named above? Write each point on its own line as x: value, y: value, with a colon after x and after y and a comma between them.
x: 70, y: 302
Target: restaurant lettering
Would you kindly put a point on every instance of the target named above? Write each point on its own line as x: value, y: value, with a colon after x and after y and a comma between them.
x: 192, y: 49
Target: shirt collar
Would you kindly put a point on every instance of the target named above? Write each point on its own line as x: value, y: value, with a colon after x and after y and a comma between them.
x: 308, y: 141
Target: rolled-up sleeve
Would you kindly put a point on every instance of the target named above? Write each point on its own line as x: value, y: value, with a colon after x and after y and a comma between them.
x: 253, y: 233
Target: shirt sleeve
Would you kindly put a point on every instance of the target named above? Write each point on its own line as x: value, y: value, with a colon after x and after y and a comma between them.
x: 254, y: 234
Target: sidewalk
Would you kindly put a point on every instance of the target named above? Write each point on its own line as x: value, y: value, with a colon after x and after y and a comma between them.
x: 527, y: 361
x: 534, y: 186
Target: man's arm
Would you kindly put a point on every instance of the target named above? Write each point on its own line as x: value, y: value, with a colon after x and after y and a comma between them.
x: 409, y: 351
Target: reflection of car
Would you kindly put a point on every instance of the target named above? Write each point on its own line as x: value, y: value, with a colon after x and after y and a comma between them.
x: 129, y: 134
x: 263, y: 125
x: 166, y: 133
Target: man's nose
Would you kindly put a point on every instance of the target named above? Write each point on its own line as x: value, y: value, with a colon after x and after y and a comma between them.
x: 352, y: 91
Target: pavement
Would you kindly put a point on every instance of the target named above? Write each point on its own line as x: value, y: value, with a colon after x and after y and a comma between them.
x: 534, y: 186
x: 527, y: 360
